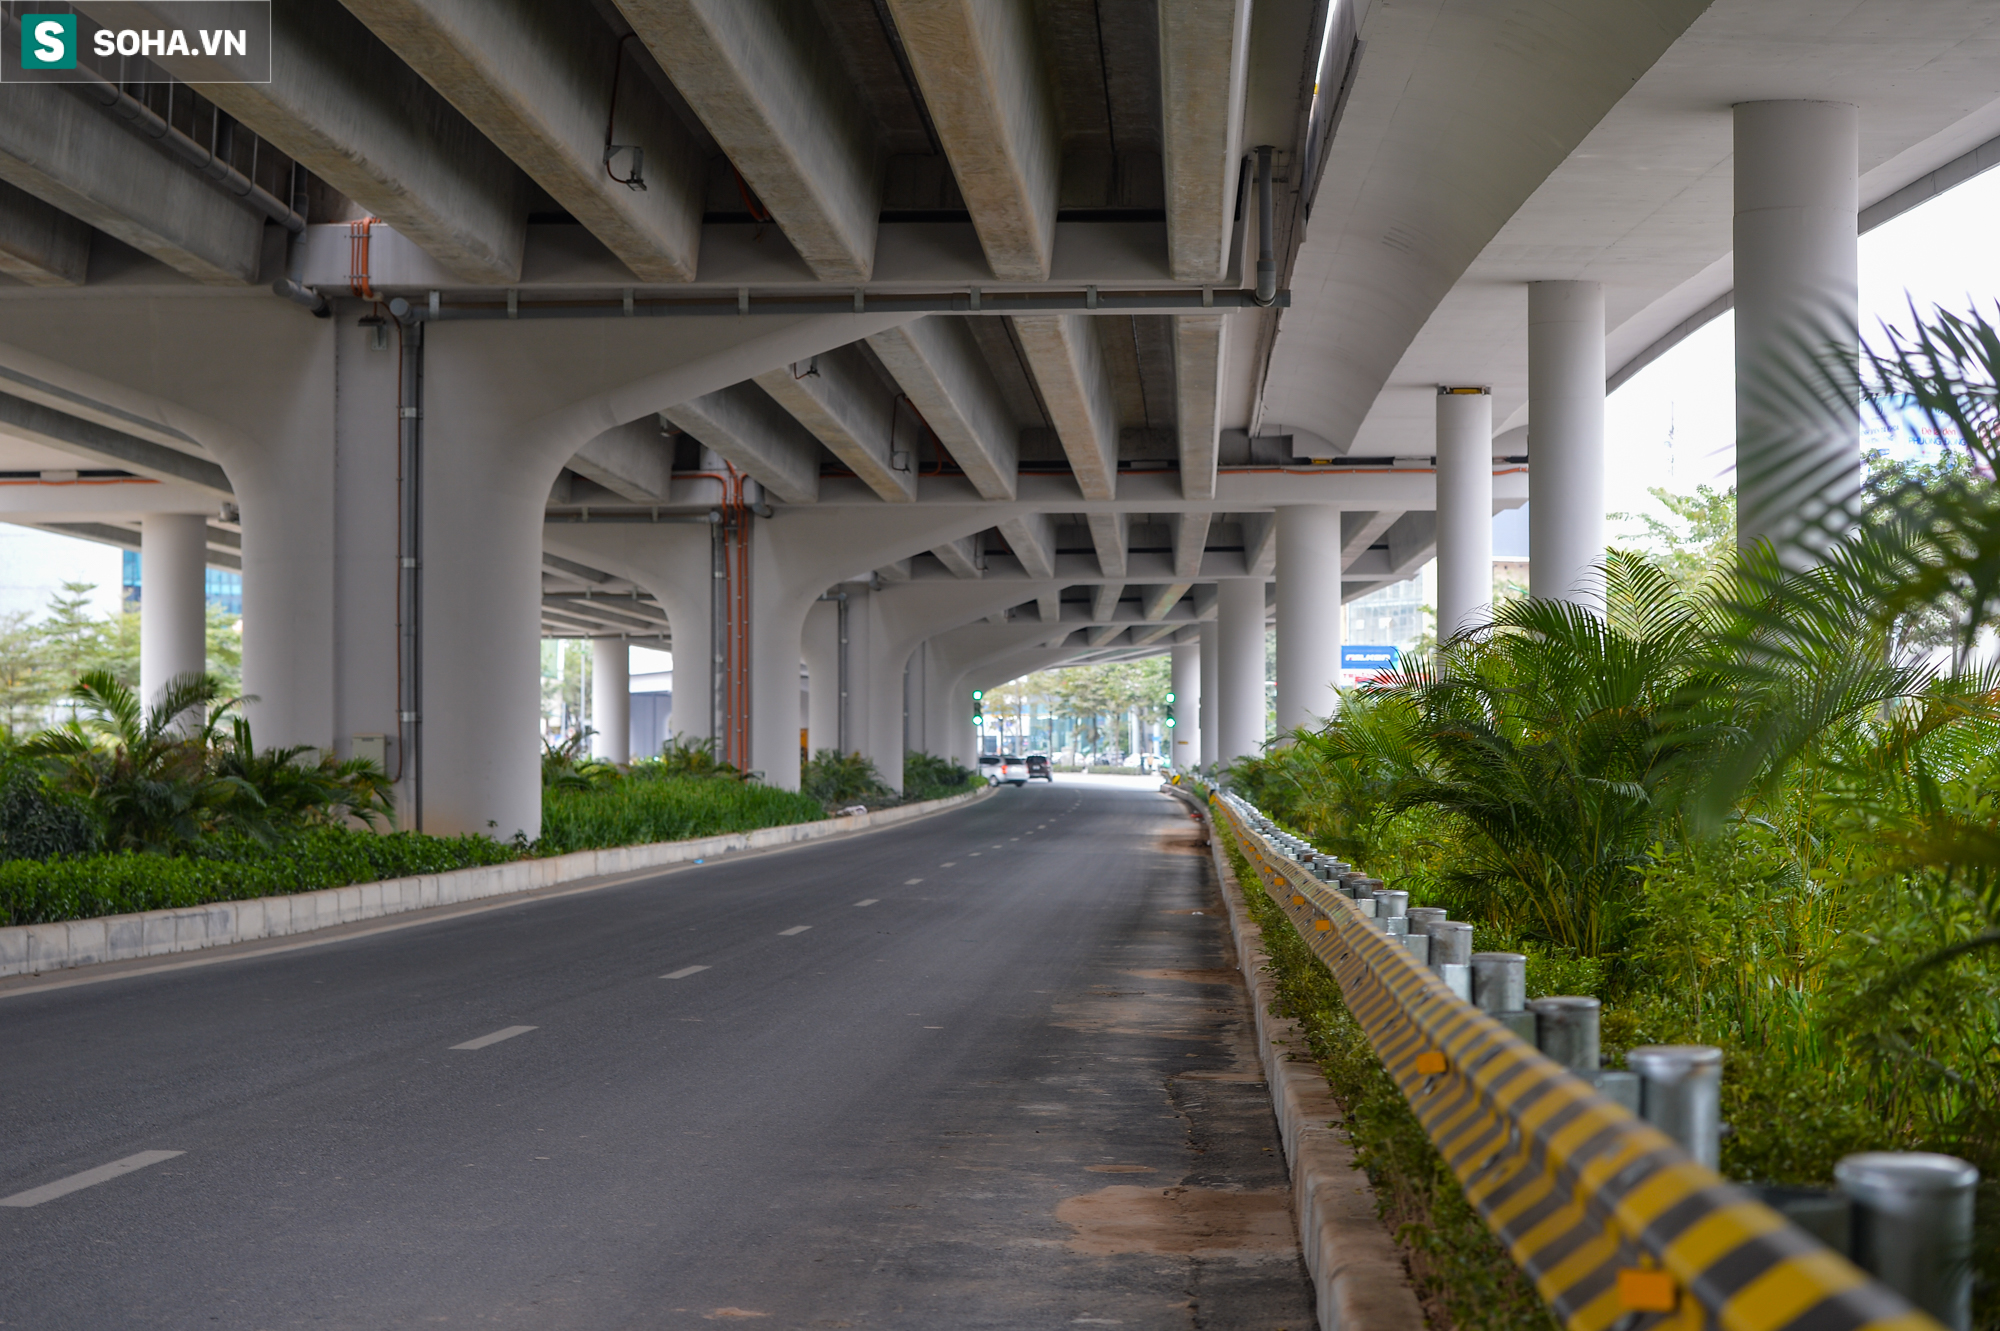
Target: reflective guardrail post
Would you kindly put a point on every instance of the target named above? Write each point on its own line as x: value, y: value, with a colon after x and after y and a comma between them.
x: 1913, y: 1227
x: 1566, y: 1030
x: 1680, y: 1093
x: 1451, y: 956
x: 1500, y: 989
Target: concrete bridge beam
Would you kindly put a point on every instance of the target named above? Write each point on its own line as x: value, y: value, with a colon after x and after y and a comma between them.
x: 763, y: 77
x: 940, y: 369
x: 842, y: 400
x: 71, y: 155
x: 345, y: 106
x: 988, y: 96
x: 1067, y: 361
x: 534, y: 78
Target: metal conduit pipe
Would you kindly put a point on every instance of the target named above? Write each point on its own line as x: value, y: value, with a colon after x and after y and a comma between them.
x: 1267, y: 262
x: 144, y: 121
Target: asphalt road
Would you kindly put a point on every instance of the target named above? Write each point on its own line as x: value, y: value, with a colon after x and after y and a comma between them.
x: 991, y: 1069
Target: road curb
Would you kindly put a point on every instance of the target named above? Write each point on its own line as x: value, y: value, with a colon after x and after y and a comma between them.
x: 35, y: 949
x: 1359, y: 1281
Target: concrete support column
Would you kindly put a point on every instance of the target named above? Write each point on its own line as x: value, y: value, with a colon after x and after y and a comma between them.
x: 1309, y: 614
x: 1185, y: 749
x: 820, y: 642
x: 1796, y: 261
x: 1240, y: 668
x: 1209, y: 710
x: 777, y: 627
x: 611, y: 699
x: 1566, y: 442
x: 173, y: 600
x: 1464, y: 509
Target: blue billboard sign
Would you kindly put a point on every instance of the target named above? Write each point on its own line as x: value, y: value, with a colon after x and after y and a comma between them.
x: 1368, y: 660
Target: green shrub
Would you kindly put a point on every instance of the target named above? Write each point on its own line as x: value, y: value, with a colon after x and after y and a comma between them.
x: 39, y: 821
x: 227, y: 869
x: 665, y: 808
x: 838, y: 779
x: 926, y: 777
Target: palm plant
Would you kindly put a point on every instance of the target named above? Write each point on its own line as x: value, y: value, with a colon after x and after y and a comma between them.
x: 285, y: 788
x: 145, y: 770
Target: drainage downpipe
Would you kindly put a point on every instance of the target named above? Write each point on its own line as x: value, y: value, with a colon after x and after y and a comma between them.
x: 409, y: 573
x: 1267, y: 263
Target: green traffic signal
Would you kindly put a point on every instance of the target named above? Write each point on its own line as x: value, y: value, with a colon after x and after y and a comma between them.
x: 1170, y: 697
x: 1170, y: 723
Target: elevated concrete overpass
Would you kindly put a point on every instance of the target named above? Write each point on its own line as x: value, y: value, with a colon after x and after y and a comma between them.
x: 729, y: 324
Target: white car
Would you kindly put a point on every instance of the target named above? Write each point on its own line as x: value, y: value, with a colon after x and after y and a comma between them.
x: 1003, y: 767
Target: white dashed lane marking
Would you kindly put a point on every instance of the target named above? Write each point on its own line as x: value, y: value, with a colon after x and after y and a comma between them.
x: 869, y: 901
x: 795, y: 929
x: 89, y: 1178
x: 683, y: 972
x: 504, y: 1033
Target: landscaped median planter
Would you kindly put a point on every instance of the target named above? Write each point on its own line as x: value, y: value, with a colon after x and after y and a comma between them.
x: 34, y: 948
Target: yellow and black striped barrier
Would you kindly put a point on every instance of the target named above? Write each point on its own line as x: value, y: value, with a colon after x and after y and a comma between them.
x: 1616, y: 1225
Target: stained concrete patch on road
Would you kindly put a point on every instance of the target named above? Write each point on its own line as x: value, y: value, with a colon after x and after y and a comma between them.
x: 1250, y: 1226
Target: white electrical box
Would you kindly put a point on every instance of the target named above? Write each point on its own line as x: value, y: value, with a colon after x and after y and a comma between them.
x: 375, y: 748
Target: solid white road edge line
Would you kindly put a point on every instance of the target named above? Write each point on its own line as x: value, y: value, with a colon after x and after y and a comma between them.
x: 795, y: 929
x: 89, y: 1178
x: 504, y: 1033
x: 683, y: 972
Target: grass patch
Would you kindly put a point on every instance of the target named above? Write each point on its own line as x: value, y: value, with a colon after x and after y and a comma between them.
x: 638, y: 811
x: 1462, y: 1276
x: 235, y: 869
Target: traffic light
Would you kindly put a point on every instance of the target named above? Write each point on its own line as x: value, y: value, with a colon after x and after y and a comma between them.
x: 978, y: 707
x: 1169, y: 710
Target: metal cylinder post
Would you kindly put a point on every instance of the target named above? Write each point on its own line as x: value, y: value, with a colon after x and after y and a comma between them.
x: 1424, y: 918
x: 1913, y: 1227
x: 1464, y: 508
x: 1392, y: 903
x: 1566, y: 1030
x: 1419, y: 946
x: 1680, y: 1093
x: 1499, y: 981
x: 1451, y: 943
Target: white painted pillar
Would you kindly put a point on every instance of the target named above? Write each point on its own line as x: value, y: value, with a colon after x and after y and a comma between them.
x: 1239, y: 654
x: 1796, y: 261
x: 611, y: 699
x: 820, y: 642
x: 1184, y: 750
x: 173, y: 600
x: 482, y: 603
x: 1566, y: 442
x: 1209, y: 712
x: 1309, y: 615
x: 1464, y: 508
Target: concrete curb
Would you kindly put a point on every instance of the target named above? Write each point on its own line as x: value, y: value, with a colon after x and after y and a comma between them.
x: 1357, y: 1271
x: 33, y: 949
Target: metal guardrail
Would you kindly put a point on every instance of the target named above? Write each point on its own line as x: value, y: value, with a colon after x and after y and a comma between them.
x: 1616, y: 1224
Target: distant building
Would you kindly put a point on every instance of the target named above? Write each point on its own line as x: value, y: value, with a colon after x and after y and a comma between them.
x: 224, y: 587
